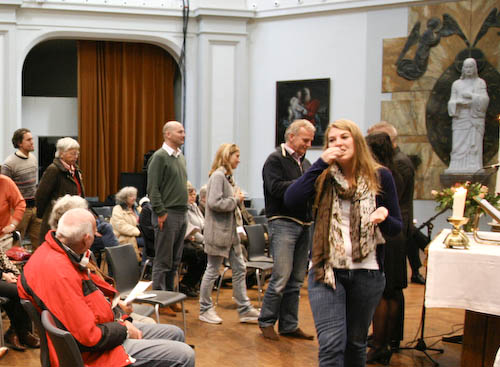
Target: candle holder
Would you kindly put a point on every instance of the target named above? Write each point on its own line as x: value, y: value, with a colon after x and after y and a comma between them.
x: 457, y: 237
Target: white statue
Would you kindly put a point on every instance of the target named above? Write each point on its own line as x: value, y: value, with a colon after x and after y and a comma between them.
x: 467, y: 106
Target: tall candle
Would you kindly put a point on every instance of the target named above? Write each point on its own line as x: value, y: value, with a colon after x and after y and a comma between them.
x: 459, y: 202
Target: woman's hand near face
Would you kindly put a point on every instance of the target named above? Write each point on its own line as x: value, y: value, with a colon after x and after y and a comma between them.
x: 330, y: 155
x: 379, y: 215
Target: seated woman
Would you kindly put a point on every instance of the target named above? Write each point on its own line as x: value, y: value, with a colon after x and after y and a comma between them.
x: 193, y: 254
x: 19, y: 334
x: 125, y: 219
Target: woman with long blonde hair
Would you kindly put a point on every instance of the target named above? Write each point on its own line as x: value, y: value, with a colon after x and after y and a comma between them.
x: 222, y: 217
x: 355, y: 201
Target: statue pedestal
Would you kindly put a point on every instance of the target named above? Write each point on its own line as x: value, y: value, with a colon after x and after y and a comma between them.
x: 450, y: 179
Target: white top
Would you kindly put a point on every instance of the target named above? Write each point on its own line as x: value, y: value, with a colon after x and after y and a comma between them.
x: 370, y: 262
x: 170, y: 151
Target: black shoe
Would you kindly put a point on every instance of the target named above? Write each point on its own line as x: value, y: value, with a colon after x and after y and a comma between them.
x: 188, y: 291
x: 394, y: 344
x: 418, y: 279
x: 380, y: 355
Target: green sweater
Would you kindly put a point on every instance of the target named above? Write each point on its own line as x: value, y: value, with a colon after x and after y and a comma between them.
x: 167, y: 182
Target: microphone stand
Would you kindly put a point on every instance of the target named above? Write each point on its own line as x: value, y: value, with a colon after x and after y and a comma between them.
x: 421, y: 345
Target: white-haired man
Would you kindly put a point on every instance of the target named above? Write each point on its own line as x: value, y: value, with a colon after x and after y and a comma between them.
x: 56, y: 278
x: 290, y: 232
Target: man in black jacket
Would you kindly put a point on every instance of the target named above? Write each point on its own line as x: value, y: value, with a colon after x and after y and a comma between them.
x: 290, y: 233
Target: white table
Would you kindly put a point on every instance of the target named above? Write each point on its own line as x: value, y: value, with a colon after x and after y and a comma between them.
x: 468, y: 279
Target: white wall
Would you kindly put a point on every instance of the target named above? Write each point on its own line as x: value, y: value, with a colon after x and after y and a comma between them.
x: 345, y: 47
x: 50, y: 116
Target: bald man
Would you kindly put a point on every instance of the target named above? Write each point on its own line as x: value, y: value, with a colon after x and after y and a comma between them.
x: 167, y: 191
x: 56, y: 279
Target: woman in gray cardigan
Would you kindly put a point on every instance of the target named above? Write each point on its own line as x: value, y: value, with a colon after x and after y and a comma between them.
x: 221, y: 239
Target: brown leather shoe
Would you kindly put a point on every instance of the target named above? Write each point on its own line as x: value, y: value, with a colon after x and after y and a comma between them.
x: 3, y: 351
x: 269, y: 333
x: 298, y: 334
x: 167, y: 311
x: 176, y: 307
x: 12, y: 340
x: 30, y: 340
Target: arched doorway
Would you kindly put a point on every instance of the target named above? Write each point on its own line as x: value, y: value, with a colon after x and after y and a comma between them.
x: 52, y: 82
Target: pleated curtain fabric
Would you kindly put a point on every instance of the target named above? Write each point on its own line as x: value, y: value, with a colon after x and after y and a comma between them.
x: 125, y: 95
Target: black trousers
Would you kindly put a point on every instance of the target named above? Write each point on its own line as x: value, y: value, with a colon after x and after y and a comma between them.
x: 19, y: 319
x: 196, y: 260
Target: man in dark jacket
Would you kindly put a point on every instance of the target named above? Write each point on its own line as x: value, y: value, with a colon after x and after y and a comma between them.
x: 290, y: 233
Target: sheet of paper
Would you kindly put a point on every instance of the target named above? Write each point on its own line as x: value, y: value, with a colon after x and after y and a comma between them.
x: 138, y: 290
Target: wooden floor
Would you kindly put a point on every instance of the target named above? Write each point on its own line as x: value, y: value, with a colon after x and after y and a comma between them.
x: 241, y: 345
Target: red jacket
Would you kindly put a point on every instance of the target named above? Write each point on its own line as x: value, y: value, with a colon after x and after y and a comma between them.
x: 78, y: 301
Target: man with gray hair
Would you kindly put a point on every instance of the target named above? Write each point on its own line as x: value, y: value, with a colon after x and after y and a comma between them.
x: 290, y: 232
x: 167, y: 191
x: 56, y: 279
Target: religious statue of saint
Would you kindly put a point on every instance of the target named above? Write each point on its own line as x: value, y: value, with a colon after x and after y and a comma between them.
x: 467, y: 107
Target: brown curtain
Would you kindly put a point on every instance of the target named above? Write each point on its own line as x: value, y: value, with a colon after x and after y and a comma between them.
x: 125, y: 95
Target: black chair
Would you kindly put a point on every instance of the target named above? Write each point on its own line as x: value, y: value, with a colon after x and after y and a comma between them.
x: 65, y: 345
x: 126, y: 272
x: 103, y: 211
x: 257, y: 243
x: 252, y: 211
x: 35, y: 318
x: 260, y: 219
x: 257, y: 258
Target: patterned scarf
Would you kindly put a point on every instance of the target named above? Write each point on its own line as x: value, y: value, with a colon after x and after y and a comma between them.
x: 237, y: 212
x: 328, y: 249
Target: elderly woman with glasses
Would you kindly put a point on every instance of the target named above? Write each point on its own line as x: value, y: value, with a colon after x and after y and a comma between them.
x: 62, y: 176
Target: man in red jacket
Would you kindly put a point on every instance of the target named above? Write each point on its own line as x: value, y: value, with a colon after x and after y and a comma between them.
x: 56, y: 278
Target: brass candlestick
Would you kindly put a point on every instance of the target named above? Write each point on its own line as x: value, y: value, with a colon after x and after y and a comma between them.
x: 457, y: 237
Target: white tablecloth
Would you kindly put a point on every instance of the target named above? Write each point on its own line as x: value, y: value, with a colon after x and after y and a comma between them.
x: 467, y: 279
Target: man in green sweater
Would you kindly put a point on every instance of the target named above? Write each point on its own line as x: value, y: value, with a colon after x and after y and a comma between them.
x: 167, y: 191
x: 22, y: 168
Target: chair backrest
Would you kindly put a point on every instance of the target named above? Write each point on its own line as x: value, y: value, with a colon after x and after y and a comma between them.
x: 65, y: 345
x: 122, y: 262
x: 104, y: 211
x: 256, y: 241
x: 35, y: 318
x: 253, y: 211
x: 260, y: 219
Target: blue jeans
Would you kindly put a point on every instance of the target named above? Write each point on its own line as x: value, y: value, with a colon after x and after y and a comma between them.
x: 169, y: 243
x: 239, y: 271
x: 342, y: 316
x: 161, y: 345
x: 289, y: 245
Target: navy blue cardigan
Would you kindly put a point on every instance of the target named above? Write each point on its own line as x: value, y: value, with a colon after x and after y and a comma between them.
x: 303, y: 189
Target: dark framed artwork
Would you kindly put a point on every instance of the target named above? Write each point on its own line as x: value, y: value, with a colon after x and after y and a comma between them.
x: 303, y: 99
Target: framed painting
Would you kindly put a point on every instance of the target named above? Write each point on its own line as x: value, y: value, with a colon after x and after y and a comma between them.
x: 303, y: 99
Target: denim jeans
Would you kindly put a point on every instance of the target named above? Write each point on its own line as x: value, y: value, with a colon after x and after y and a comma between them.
x: 239, y: 271
x: 161, y: 345
x: 342, y: 316
x: 289, y: 246
x: 169, y: 243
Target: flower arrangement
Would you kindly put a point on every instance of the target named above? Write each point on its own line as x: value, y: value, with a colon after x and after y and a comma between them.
x: 444, y: 199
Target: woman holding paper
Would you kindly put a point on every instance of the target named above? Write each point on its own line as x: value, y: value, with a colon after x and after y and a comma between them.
x: 222, y: 217
x: 355, y: 202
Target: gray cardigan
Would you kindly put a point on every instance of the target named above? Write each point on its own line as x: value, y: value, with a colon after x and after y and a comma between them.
x: 220, y: 221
